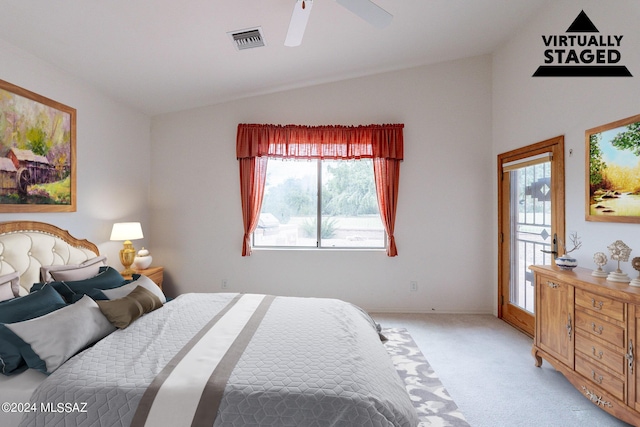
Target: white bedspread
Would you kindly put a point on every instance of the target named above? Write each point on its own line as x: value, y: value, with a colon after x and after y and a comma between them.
x: 15, y: 393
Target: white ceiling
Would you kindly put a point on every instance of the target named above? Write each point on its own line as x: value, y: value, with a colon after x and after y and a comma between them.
x: 168, y: 55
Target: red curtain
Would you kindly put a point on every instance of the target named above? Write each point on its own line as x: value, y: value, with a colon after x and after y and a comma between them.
x: 387, y: 175
x: 382, y: 143
x: 253, y: 175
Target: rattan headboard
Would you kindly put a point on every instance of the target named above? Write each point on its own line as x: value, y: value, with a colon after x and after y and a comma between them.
x: 25, y: 246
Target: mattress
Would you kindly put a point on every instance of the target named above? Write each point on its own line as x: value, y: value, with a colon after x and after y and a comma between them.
x: 294, y: 361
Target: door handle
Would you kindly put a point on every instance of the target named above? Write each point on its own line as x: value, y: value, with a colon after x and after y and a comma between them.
x: 555, y: 247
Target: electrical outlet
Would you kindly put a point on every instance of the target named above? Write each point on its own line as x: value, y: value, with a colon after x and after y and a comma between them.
x: 413, y: 286
x: 224, y: 284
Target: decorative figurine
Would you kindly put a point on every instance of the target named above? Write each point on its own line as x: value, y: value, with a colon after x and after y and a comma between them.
x: 635, y: 263
x: 619, y: 252
x: 600, y: 259
x: 565, y: 262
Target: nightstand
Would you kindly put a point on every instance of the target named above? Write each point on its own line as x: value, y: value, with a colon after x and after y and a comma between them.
x: 154, y: 273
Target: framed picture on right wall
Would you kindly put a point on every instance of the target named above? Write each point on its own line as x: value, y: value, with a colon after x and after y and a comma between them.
x: 613, y: 171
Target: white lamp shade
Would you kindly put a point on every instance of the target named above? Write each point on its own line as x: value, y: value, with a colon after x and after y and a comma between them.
x: 126, y: 231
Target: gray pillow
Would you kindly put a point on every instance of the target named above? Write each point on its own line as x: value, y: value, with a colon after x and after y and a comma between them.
x: 72, y: 272
x: 52, y: 339
x: 125, y: 290
x: 9, y: 286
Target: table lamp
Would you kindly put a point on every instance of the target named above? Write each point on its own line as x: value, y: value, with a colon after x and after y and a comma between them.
x: 127, y: 231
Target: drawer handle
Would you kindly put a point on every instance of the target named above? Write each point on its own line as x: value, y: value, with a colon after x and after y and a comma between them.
x: 593, y: 376
x: 598, y: 400
x: 599, y: 355
x: 598, y: 306
x: 599, y: 330
x: 552, y: 285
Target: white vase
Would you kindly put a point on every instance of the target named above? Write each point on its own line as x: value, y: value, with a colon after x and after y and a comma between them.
x: 565, y: 262
x: 143, y: 260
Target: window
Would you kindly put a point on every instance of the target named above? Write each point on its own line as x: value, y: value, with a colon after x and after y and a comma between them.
x: 320, y: 204
x: 256, y: 144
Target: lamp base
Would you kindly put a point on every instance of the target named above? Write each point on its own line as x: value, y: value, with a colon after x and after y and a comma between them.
x: 128, y: 272
x: 127, y: 256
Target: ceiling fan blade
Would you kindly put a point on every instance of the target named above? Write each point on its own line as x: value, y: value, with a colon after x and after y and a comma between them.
x: 299, y: 19
x: 369, y: 11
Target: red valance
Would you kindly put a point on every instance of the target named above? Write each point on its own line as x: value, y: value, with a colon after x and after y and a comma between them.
x: 320, y: 142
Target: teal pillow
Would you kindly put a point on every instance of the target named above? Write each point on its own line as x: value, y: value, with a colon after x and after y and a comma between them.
x: 15, y: 310
x: 11, y: 360
x: 30, y: 306
x: 72, y: 291
x: 108, y: 278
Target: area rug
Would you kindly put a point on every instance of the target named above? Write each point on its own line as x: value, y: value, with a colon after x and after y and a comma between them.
x: 433, y: 404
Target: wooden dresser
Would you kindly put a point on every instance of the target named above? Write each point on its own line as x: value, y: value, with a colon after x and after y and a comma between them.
x: 588, y: 329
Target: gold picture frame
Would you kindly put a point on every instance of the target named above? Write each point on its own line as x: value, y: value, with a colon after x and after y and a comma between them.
x: 37, y: 152
x: 613, y: 171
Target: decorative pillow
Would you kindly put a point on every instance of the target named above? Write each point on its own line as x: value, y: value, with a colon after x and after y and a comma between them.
x: 86, y: 270
x: 48, y: 341
x: 79, y: 273
x: 123, y: 311
x: 9, y: 286
x: 11, y: 361
x: 27, y: 307
x: 30, y: 306
x: 6, y: 292
x: 140, y: 280
x: 71, y: 291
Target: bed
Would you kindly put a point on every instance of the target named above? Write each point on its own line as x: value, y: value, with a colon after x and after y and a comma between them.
x: 116, y: 353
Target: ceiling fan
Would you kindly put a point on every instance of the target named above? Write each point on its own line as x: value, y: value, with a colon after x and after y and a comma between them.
x: 365, y: 9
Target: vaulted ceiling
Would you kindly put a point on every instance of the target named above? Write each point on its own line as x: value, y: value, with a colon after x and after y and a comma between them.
x: 166, y: 55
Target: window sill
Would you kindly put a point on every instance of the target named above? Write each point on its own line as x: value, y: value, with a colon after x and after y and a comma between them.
x: 303, y: 249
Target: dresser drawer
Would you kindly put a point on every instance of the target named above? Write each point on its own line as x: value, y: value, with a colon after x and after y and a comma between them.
x: 603, y: 305
x: 600, y: 328
x: 594, y: 351
x: 601, y: 378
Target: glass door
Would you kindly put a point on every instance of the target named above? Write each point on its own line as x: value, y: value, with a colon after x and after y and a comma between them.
x: 532, y: 214
x: 531, y: 236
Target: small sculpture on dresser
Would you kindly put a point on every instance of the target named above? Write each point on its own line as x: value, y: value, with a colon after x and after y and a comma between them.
x: 600, y: 259
x: 635, y: 263
x: 566, y: 262
x: 619, y: 252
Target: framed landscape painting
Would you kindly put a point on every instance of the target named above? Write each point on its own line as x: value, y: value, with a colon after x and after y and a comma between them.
x: 37, y: 152
x: 613, y: 171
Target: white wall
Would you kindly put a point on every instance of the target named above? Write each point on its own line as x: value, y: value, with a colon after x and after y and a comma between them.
x: 443, y: 228
x: 527, y: 110
x: 113, y: 145
x: 177, y: 173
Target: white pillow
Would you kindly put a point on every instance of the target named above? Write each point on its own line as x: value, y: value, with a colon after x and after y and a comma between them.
x: 125, y: 290
x: 9, y: 286
x: 72, y: 272
x: 59, y: 335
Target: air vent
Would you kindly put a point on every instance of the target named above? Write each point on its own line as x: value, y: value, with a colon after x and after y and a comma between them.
x: 247, y: 39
